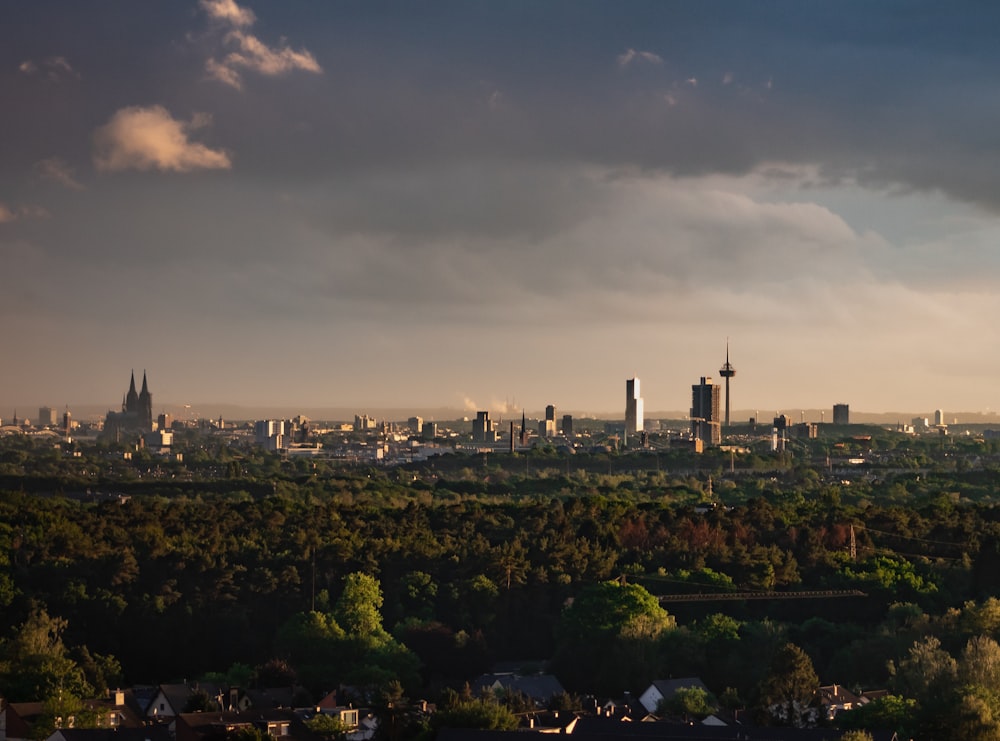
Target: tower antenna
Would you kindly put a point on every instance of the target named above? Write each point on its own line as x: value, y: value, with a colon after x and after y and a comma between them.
x: 727, y: 371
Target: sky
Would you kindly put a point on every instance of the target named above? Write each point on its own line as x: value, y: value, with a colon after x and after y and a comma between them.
x: 497, y: 205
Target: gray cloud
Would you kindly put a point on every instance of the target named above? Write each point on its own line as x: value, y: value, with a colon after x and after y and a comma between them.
x: 58, y: 171
x: 24, y: 211
x: 52, y: 69
x: 435, y: 194
x: 630, y: 56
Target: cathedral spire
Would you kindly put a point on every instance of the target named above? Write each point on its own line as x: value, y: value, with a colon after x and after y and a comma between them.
x: 132, y: 398
x: 144, y: 405
x: 145, y: 389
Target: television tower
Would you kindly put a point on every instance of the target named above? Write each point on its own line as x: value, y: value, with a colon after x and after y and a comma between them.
x: 727, y: 371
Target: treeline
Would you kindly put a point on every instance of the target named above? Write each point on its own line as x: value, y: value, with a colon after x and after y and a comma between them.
x: 474, y: 563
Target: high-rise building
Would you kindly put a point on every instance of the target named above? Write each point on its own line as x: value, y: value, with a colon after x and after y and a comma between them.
x: 727, y: 371
x: 567, y: 425
x: 47, y: 417
x: 482, y: 429
x: 633, y: 407
x: 415, y: 424
x: 841, y: 414
x: 939, y: 418
x: 547, y: 427
x: 705, y: 422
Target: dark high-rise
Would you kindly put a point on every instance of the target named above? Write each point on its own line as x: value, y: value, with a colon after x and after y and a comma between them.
x: 633, y: 407
x: 705, y: 423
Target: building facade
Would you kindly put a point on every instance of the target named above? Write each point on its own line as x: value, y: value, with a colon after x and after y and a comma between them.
x: 633, y: 407
x: 841, y: 414
x: 483, y: 430
x: 706, y: 423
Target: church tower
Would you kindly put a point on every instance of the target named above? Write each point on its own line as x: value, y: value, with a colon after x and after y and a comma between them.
x: 132, y: 398
x: 145, y: 405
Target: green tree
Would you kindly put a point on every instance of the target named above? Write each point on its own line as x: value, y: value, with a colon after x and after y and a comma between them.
x: 199, y: 702
x: 890, y: 712
x: 64, y: 710
x: 485, y: 714
x: 613, y: 610
x: 927, y: 673
x: 247, y: 733
x: 358, y: 611
x: 689, y: 702
x: 328, y: 726
x: 35, y: 662
x: 611, y: 633
x: 980, y: 663
x: 856, y: 735
x: 789, y: 687
x: 977, y: 715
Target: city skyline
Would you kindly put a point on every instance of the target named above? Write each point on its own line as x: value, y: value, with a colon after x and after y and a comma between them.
x: 482, y: 206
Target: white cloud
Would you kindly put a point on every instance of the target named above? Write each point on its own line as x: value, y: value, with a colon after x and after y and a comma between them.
x: 631, y: 55
x: 222, y: 73
x: 58, y: 171
x: 138, y: 138
x: 247, y: 51
x: 228, y: 12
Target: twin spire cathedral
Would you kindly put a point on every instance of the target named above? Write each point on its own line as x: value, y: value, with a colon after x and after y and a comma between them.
x: 140, y: 404
x: 136, y: 414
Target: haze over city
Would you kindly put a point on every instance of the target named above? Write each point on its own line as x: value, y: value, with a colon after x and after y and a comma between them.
x: 465, y: 205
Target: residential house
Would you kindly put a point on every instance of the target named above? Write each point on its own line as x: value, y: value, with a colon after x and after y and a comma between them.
x: 835, y: 698
x: 119, y: 711
x: 604, y: 729
x: 17, y: 718
x: 665, y: 689
x: 154, y: 732
x: 361, y: 724
x: 540, y: 688
x: 280, y: 724
x: 170, y: 700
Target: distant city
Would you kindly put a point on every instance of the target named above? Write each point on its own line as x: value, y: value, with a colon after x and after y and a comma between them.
x: 366, y: 434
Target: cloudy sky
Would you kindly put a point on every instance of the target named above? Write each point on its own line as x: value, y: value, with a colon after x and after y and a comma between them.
x: 471, y: 204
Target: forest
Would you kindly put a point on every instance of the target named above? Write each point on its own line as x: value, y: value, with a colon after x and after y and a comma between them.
x: 242, y: 564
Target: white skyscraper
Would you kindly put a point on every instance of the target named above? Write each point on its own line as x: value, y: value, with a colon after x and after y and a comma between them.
x: 633, y: 407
